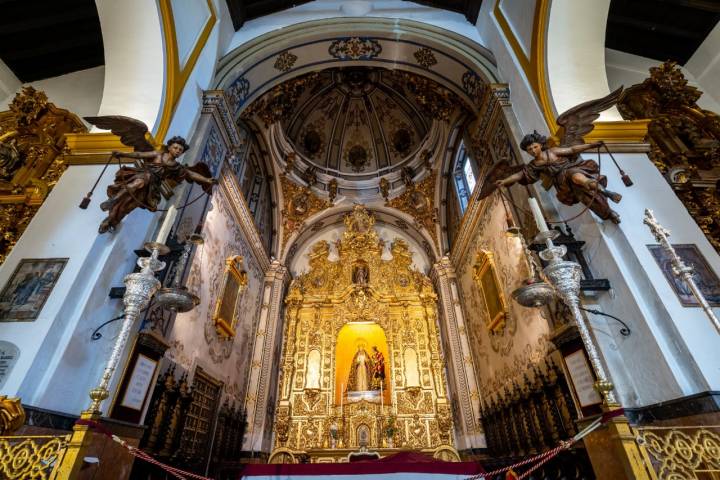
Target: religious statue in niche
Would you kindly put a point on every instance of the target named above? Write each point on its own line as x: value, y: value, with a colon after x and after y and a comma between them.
x: 575, y: 180
x: 156, y: 172
x: 360, y: 274
x: 378, y: 369
x: 361, y: 371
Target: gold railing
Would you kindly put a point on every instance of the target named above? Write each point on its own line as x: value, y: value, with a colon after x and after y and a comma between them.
x: 32, y: 456
x: 681, y: 453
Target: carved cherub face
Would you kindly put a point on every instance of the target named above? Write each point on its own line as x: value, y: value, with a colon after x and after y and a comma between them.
x: 534, y: 149
x: 175, y: 149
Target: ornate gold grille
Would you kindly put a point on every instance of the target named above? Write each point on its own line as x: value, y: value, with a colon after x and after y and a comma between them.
x: 37, y: 457
x: 681, y: 453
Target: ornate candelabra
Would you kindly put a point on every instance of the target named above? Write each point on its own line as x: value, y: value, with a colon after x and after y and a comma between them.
x: 679, y: 268
x: 565, y: 277
x: 140, y: 287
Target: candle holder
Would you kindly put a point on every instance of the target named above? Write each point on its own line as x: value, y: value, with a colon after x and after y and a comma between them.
x: 177, y: 298
x: 565, y: 277
x: 139, y: 289
x: 535, y: 292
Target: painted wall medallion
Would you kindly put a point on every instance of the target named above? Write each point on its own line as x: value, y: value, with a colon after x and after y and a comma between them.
x: 355, y: 48
x: 29, y: 287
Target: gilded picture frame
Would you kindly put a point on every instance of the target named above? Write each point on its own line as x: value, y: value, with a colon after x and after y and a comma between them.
x: 234, y: 282
x: 31, y: 283
x: 488, y: 282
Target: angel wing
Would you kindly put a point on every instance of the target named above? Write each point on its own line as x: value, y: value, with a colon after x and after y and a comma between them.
x: 497, y: 172
x: 131, y: 131
x: 578, y: 121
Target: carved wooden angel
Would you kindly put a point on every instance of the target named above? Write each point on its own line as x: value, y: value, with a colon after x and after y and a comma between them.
x: 575, y: 180
x: 155, y: 174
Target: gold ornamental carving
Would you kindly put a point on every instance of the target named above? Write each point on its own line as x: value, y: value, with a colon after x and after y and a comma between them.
x: 300, y: 203
x: 684, y: 140
x: 418, y: 201
x: 360, y: 302
x: 12, y: 414
x: 681, y: 453
x: 32, y: 138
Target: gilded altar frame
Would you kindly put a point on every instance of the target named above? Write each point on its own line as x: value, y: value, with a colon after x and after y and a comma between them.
x: 391, y: 295
x: 233, y: 283
x: 488, y: 282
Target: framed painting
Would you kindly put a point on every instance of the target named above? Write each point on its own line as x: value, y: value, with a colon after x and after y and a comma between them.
x: 29, y: 287
x: 705, y: 278
x: 488, y: 282
x: 234, y: 281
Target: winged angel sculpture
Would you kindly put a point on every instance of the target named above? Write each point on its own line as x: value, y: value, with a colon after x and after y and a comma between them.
x: 155, y: 174
x: 575, y: 180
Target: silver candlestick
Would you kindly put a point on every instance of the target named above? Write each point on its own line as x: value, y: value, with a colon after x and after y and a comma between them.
x: 139, y: 289
x: 565, y: 278
x: 679, y: 268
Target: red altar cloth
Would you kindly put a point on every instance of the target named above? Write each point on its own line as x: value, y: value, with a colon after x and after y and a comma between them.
x: 403, y: 465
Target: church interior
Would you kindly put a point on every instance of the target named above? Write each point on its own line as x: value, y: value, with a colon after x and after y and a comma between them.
x: 264, y: 239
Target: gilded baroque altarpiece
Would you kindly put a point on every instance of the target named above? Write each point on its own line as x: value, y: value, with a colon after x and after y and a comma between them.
x: 331, y: 311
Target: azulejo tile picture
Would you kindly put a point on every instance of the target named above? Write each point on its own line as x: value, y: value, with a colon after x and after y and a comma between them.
x: 29, y: 287
x: 705, y: 278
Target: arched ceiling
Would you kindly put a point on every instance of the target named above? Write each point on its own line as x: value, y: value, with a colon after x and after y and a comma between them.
x: 356, y: 121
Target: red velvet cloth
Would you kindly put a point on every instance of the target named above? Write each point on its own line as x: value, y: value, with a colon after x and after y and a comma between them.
x: 401, y: 462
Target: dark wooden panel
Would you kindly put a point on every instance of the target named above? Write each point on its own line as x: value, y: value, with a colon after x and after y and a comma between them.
x: 661, y: 29
x: 45, y: 38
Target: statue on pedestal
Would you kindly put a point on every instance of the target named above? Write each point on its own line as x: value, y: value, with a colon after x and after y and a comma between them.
x: 360, y: 371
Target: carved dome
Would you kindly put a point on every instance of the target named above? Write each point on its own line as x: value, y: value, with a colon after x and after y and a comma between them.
x: 356, y: 127
x: 356, y: 121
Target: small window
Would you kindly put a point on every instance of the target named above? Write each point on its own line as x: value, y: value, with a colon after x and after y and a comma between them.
x: 464, y: 174
x: 469, y: 175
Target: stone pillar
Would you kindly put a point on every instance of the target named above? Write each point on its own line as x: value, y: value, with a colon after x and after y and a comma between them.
x: 461, y: 370
x: 264, y: 361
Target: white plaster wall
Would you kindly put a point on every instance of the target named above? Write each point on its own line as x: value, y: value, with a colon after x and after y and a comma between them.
x: 134, y: 59
x: 628, y: 69
x: 78, y: 303
x: 520, y: 15
x: 705, y: 63
x: 334, y: 233
x: 503, y: 358
x: 321, y: 9
x: 187, y: 110
x: 80, y: 92
x: 189, y: 17
x: 526, y: 109
x: 193, y: 339
x: 9, y: 83
x: 576, y: 54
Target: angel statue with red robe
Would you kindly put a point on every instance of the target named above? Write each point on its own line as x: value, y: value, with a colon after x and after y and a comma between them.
x: 155, y: 174
x: 575, y: 180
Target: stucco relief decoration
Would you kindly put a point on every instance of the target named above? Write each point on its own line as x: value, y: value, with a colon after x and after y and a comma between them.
x: 213, y: 153
x: 435, y: 101
x: 473, y: 86
x: 425, y: 57
x: 237, y: 93
x: 355, y: 48
x: 299, y: 203
x: 285, y: 61
x: 281, y: 100
x: 418, y: 201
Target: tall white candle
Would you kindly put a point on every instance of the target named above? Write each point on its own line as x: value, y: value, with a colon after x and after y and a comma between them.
x: 167, y: 224
x: 537, y: 214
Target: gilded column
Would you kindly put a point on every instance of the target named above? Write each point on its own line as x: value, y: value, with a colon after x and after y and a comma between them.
x: 260, y: 398
x: 461, y: 370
